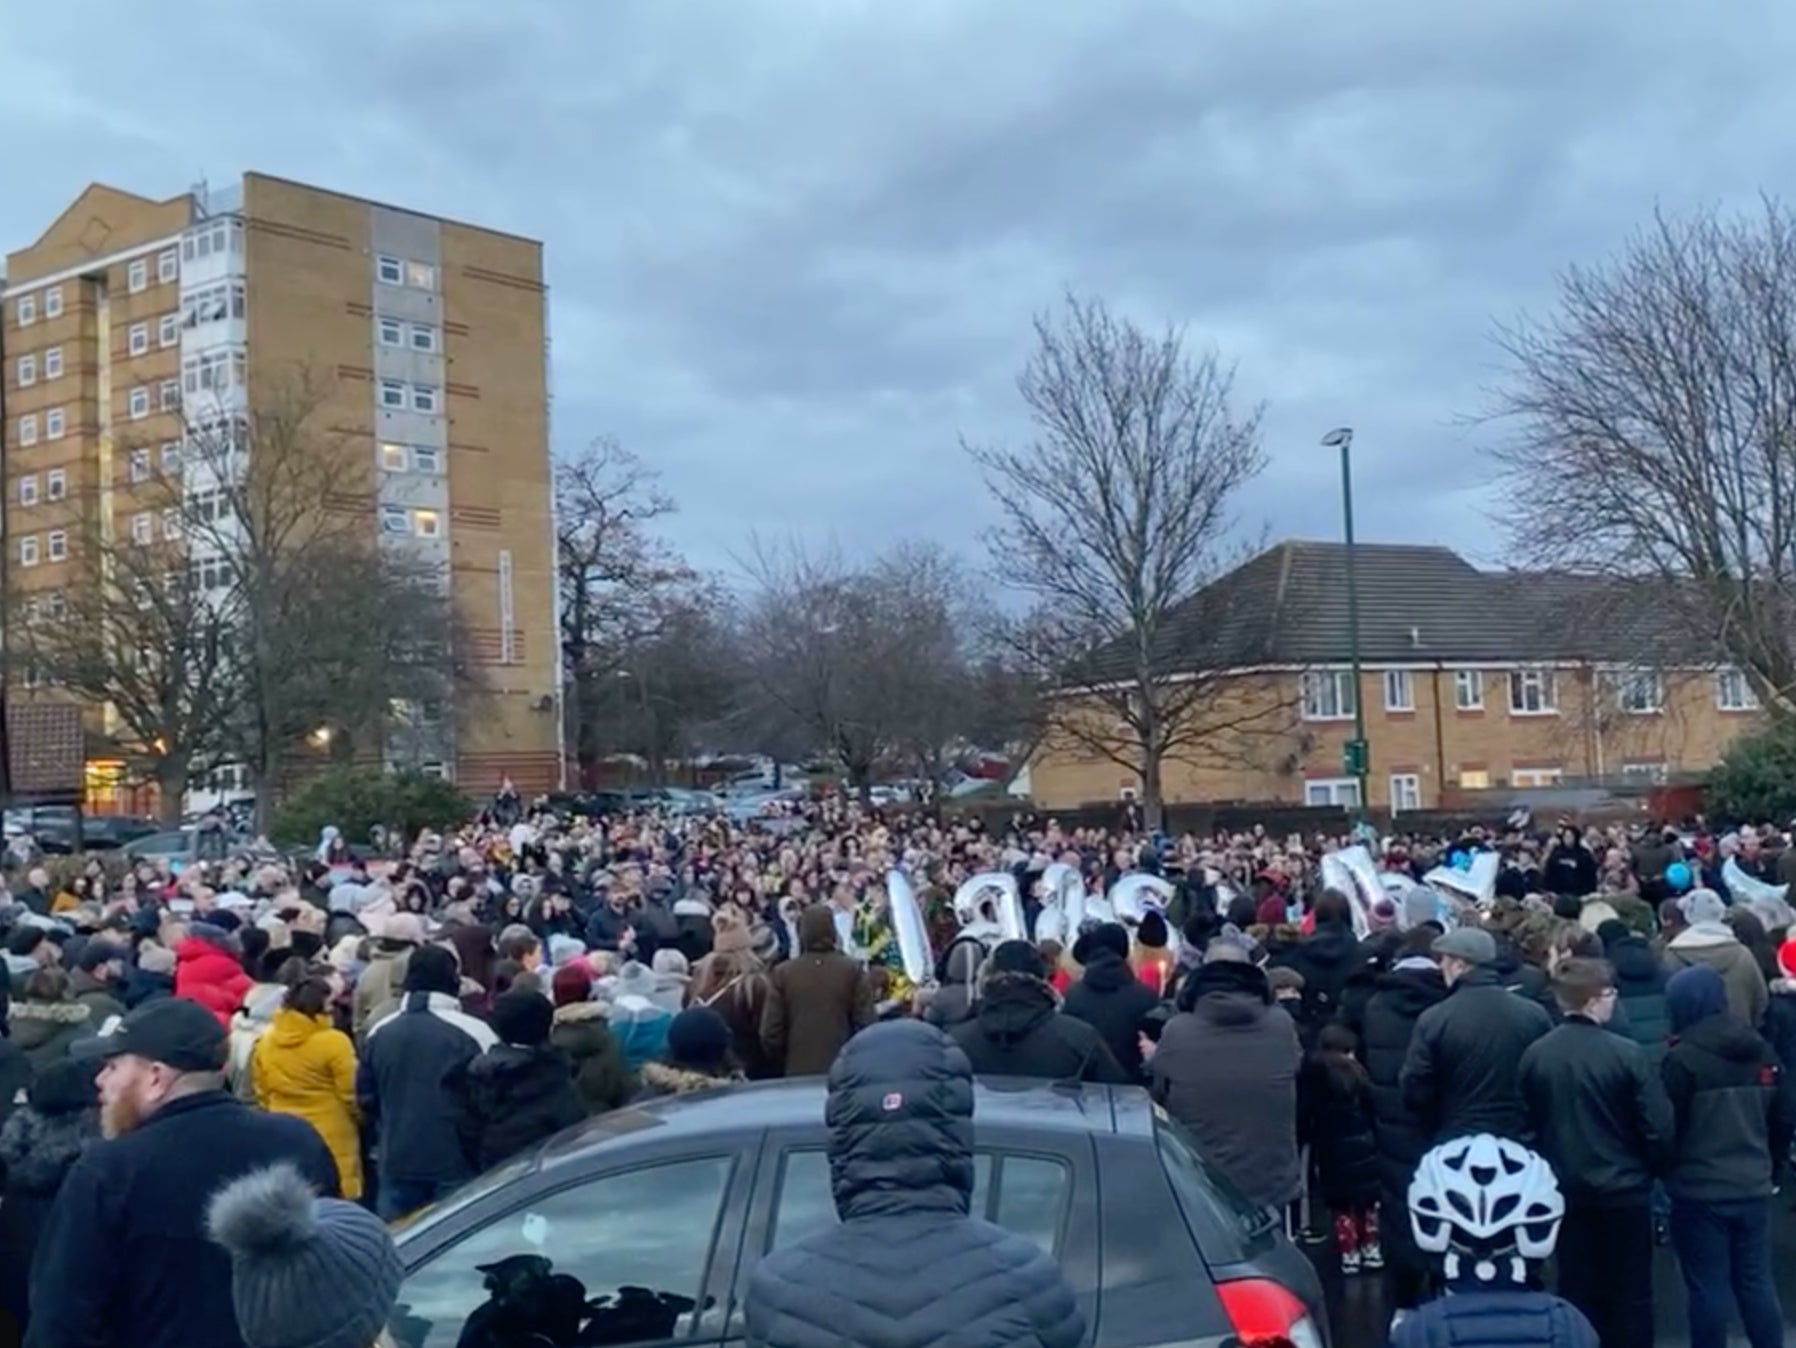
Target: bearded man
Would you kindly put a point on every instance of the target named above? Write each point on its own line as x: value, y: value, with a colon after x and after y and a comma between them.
x: 124, y: 1257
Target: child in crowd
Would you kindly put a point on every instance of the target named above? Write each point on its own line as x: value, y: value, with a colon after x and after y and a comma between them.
x: 1334, y: 1101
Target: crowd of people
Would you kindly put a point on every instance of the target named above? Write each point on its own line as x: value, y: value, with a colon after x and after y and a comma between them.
x: 349, y: 1040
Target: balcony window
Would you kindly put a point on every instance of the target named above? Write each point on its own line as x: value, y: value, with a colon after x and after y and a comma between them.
x: 1328, y: 695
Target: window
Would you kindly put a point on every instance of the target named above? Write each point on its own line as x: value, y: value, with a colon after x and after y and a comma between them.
x: 214, y: 304
x: 1646, y: 774
x: 170, y: 457
x: 168, y: 397
x: 28, y: 489
x: 28, y: 429
x: 1734, y: 691
x: 424, y: 398
x: 27, y: 370
x: 392, y: 393
x: 423, y: 338
x: 137, y: 339
x: 420, y: 276
x: 427, y: 524
x: 59, y: 545
x: 53, y: 424
x: 427, y: 459
x: 137, y: 276
x: 394, y: 458
x: 53, y: 363
x: 389, y: 270
x: 394, y: 520
x: 1406, y: 792
x: 1639, y: 692
x: 143, y: 528
x: 1474, y: 779
x: 391, y: 330
x: 210, y: 371
x: 56, y: 484
x: 1328, y: 695
x: 1399, y: 690
x: 168, y: 330
x: 56, y: 604
x: 1534, y: 779
x: 1531, y: 692
x: 171, y: 523
x: 1332, y: 791
x: 28, y: 550
x: 26, y: 309
x: 140, y: 465
x: 53, y: 302
x: 139, y: 403
x: 666, y: 1246
x: 168, y: 265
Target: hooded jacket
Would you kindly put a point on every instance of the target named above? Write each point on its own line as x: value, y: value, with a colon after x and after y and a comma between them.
x: 210, y: 974
x: 601, y: 1076
x: 1328, y: 960
x: 510, y: 1098
x: 1460, y: 1074
x: 1116, y: 1004
x: 40, y: 1142
x: 638, y: 1016
x: 1714, y: 944
x: 815, y: 1000
x: 1018, y: 1031
x: 1640, y: 984
x: 44, y: 1030
x: 907, y: 1267
x: 305, y: 1067
x: 1226, y: 1068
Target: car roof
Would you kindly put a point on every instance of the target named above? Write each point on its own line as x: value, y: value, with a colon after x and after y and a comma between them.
x: 1001, y: 1102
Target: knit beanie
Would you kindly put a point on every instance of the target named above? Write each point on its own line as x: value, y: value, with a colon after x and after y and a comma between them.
x: 572, y: 983
x: 1017, y: 957
x: 1111, y: 936
x: 523, y: 1017
x: 306, y: 1272
x: 698, y: 1038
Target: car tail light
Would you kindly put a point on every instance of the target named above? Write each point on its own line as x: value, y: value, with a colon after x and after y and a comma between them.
x: 1267, y: 1315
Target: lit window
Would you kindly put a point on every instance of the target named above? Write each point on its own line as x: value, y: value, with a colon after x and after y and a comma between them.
x: 28, y: 429
x: 26, y: 309
x: 420, y: 276
x: 1734, y: 691
x: 1474, y: 779
x: 1328, y: 696
x: 171, y: 458
x: 169, y: 395
x: 1399, y: 691
x: 168, y: 266
x: 392, y: 393
x: 27, y: 370
x: 139, y: 402
x: 28, y: 551
x: 53, y: 424
x: 59, y: 545
x: 423, y: 338
x: 140, y: 465
x: 390, y: 270
x: 424, y: 398
x: 1639, y: 692
x: 394, y: 458
x: 392, y: 332
x: 427, y: 524
x: 138, y: 338
x: 394, y: 520
x: 1406, y: 792
x: 53, y: 363
x: 56, y: 484
x: 1535, y: 779
x: 1531, y: 692
x: 427, y: 458
x: 137, y: 276
x: 168, y: 330
x: 53, y: 302
x: 1468, y: 689
x: 28, y: 489
x: 143, y: 528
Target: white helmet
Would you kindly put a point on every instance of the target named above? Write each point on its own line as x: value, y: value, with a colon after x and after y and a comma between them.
x: 1485, y: 1199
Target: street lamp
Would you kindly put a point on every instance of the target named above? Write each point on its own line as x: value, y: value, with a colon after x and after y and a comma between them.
x: 1357, y: 760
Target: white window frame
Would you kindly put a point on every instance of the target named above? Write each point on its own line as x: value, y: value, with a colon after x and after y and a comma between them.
x: 1651, y: 774
x: 53, y: 362
x: 395, y: 521
x: 58, y: 549
x: 139, y: 468
x: 168, y: 331
x: 425, y: 399
x: 1734, y: 690
x: 28, y: 429
x: 169, y: 456
x: 1399, y: 690
x: 428, y: 333
x: 137, y: 402
x: 1332, y: 791
x: 426, y: 459
x: 56, y: 484
x: 28, y: 490
x: 395, y: 457
x: 143, y: 528
x: 1326, y: 689
x: 137, y: 275
x: 168, y: 265
x: 27, y: 369
x: 171, y: 522
x: 1535, y: 779
x: 392, y: 394
x: 427, y: 522
x: 389, y: 332
x: 1483, y: 774
x: 25, y: 310
x: 137, y: 339
x: 56, y: 423
x: 1406, y: 791
x: 1638, y: 692
x: 420, y: 275
x: 53, y: 302
x: 389, y: 270
x: 1543, y: 687
x: 28, y: 550
x: 168, y: 395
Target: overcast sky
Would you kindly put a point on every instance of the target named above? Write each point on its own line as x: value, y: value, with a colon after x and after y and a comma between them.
x: 794, y: 245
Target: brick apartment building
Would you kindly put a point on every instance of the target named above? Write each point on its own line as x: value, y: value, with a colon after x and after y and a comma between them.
x: 1471, y: 681
x: 431, y: 337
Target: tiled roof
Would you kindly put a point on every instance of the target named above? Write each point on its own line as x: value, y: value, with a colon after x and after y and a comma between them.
x: 1288, y: 606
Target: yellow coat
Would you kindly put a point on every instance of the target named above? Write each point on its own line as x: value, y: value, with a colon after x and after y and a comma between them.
x: 303, y: 1066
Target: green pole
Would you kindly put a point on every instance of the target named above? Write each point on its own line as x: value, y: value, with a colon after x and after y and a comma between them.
x: 1344, y: 438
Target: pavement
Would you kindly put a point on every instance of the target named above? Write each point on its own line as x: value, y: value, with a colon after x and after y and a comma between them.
x: 1359, y: 1317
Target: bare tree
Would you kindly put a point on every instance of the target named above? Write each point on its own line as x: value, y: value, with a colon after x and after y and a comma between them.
x: 1653, y: 420
x: 1115, y: 514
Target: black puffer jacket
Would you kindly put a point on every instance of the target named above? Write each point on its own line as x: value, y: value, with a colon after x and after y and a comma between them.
x: 907, y: 1267
x: 1390, y: 1020
x: 1020, y: 1032
x: 1461, y: 1073
x: 510, y: 1098
x: 1115, y: 1003
x: 1328, y: 960
x: 1640, y: 984
x: 39, y: 1143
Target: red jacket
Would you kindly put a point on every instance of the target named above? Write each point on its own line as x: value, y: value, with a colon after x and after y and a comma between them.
x: 211, y: 976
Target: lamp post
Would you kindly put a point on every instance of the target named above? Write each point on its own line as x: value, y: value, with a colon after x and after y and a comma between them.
x: 1357, y: 760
